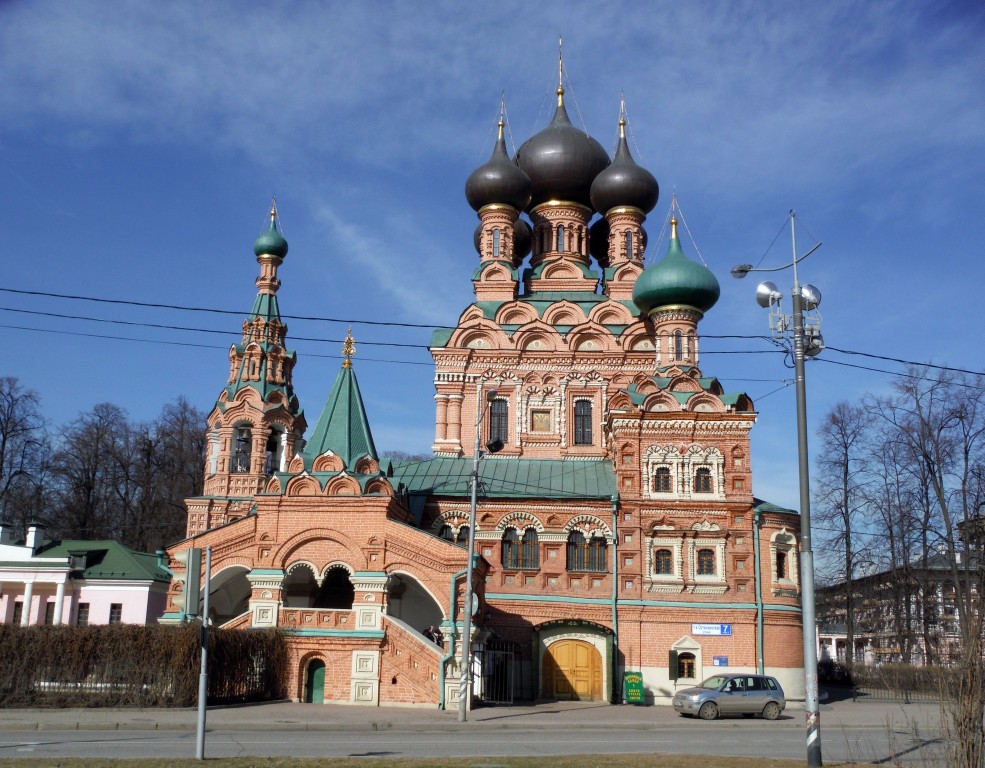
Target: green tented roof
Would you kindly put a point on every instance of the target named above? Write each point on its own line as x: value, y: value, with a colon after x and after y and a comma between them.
x: 764, y: 506
x: 342, y: 427
x: 107, y: 559
x: 508, y: 478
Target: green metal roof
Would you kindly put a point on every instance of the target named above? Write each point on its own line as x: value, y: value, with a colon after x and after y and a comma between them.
x: 509, y: 478
x: 106, y: 559
x: 342, y: 427
x: 764, y: 506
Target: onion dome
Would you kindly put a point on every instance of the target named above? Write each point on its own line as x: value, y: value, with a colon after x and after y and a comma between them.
x: 624, y: 183
x: 676, y: 281
x: 271, y: 242
x: 523, y: 239
x: 498, y: 181
x: 598, y: 241
x: 561, y: 161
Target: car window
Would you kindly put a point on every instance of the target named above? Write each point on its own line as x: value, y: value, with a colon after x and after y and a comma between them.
x: 734, y: 685
x: 772, y: 684
x: 713, y: 682
x: 754, y: 684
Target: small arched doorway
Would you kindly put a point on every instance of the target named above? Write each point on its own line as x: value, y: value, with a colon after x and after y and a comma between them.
x: 314, y: 682
x: 572, y: 671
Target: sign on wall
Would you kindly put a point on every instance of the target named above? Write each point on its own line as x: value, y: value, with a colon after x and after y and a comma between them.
x: 712, y: 629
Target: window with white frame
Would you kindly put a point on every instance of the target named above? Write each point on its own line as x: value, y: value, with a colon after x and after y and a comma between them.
x: 783, y: 560
x: 704, y: 472
x: 706, y: 560
x: 663, y: 566
x: 663, y: 467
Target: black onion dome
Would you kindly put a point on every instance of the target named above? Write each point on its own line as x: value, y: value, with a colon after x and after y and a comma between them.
x: 598, y: 241
x: 498, y: 181
x: 561, y: 161
x: 523, y: 239
x: 624, y: 183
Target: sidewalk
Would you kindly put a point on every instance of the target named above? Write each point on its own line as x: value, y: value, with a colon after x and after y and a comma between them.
x: 291, y: 716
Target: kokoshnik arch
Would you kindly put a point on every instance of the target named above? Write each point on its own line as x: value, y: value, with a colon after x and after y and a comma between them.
x: 616, y: 530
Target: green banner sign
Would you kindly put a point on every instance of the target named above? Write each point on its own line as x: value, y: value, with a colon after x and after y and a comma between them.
x: 632, y: 687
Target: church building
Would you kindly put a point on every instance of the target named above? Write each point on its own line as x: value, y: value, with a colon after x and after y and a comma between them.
x: 614, y: 524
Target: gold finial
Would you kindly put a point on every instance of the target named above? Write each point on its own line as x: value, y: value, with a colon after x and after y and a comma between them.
x: 673, y: 227
x: 273, y: 208
x: 502, y: 115
x: 622, y: 116
x: 348, y: 348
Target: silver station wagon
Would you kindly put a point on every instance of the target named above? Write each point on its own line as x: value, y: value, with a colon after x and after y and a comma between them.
x: 732, y: 694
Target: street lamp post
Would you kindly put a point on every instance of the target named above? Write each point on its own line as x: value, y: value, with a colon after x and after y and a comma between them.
x: 806, y: 342
x: 466, y: 662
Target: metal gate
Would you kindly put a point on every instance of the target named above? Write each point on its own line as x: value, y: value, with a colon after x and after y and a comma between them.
x: 498, y: 672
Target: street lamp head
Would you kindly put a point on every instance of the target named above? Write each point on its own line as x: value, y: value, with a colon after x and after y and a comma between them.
x: 494, y: 446
x: 491, y: 395
x: 767, y: 294
x: 812, y: 297
x: 741, y: 271
x: 813, y: 345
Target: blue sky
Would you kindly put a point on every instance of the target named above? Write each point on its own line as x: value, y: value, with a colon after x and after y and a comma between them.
x: 141, y: 143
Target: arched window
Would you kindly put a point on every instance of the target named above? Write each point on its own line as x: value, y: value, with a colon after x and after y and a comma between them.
x: 702, y: 480
x: 781, y: 565
x: 447, y: 533
x: 242, y: 450
x: 678, y: 346
x: 499, y: 421
x: 629, y: 245
x: 560, y: 238
x: 686, y: 665
x: 663, y: 564
x: 662, y: 480
x: 583, y: 422
x: 495, y: 238
x: 530, y: 553
x: 511, y: 549
x: 273, y: 453
x: 706, y: 562
x: 462, y: 539
x: 577, y: 551
x: 597, y: 554
x: 336, y: 590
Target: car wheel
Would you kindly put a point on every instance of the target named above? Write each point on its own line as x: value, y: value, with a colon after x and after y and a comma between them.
x: 771, y: 711
x: 708, y: 711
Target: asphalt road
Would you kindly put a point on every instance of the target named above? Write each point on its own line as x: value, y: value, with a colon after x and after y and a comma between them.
x: 881, y: 744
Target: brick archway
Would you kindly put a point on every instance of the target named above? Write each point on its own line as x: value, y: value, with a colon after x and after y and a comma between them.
x: 572, y: 671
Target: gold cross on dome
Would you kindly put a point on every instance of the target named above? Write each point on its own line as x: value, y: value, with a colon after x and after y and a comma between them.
x: 348, y: 348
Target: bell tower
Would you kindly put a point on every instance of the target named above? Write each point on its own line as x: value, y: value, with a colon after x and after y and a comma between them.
x: 257, y: 423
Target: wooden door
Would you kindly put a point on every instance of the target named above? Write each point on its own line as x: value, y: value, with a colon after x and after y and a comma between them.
x: 573, y: 671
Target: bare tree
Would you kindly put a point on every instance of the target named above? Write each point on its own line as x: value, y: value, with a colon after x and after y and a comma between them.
x: 24, y: 451
x: 841, y: 467
x: 88, y: 477
x: 940, y: 419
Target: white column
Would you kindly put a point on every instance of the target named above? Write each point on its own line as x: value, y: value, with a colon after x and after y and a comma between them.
x: 28, y: 598
x: 59, y: 602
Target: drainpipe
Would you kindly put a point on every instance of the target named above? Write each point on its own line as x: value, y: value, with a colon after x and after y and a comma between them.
x: 451, y: 646
x: 615, y: 593
x: 759, y: 596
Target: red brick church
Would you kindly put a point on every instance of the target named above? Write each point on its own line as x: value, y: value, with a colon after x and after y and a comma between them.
x: 616, y: 529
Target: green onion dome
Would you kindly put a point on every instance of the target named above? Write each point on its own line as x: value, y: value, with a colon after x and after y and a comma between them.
x: 499, y: 181
x: 561, y: 161
x: 676, y: 281
x: 624, y: 183
x: 271, y: 242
